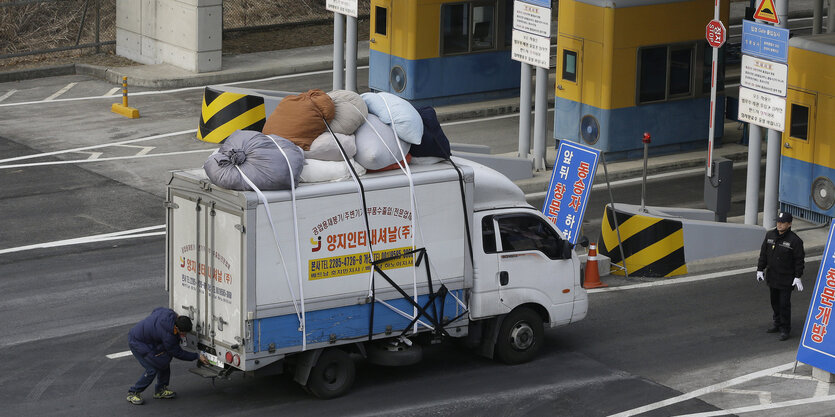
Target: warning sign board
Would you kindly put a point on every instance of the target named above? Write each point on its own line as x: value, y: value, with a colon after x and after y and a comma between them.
x: 767, y: 12
x: 761, y: 109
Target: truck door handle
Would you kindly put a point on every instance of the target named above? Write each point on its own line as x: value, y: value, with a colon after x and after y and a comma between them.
x: 503, y: 277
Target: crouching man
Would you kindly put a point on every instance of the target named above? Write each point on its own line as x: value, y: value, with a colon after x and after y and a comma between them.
x: 154, y: 341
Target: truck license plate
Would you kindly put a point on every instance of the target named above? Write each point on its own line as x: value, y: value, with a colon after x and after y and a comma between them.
x: 213, y: 359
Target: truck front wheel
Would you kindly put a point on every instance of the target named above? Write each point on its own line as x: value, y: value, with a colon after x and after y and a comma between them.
x: 520, y: 336
x: 333, y: 374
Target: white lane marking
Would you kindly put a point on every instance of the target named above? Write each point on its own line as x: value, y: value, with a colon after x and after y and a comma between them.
x: 115, y: 158
x: 683, y: 280
x: 176, y: 90
x: 93, y: 155
x: 112, y: 91
x: 764, y: 396
x: 143, y: 149
x: 8, y: 94
x: 60, y: 92
x: 118, y: 355
x: 705, y: 390
x: 38, y: 155
x: 763, y: 407
x: 124, y: 234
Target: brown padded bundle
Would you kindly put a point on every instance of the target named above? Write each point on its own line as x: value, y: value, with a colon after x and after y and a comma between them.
x: 298, y: 118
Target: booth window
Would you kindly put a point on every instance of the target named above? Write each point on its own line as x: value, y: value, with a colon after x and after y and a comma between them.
x: 799, y: 124
x: 380, y: 22
x: 653, y: 82
x: 528, y: 233
x: 467, y: 27
x: 569, y: 65
x: 681, y: 64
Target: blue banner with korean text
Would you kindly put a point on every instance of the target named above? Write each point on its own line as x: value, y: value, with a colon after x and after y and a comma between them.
x: 570, y: 187
x: 817, y: 347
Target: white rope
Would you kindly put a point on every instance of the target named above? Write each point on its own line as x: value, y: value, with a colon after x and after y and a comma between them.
x: 303, y: 327
x: 275, y: 239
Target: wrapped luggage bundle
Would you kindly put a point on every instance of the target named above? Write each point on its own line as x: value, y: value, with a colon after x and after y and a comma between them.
x: 258, y: 158
x: 299, y: 118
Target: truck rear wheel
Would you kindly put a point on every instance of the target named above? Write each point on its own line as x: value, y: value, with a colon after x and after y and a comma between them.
x: 520, y: 336
x: 333, y: 374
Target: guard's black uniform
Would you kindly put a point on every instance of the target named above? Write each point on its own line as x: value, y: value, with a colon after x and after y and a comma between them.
x: 782, y: 259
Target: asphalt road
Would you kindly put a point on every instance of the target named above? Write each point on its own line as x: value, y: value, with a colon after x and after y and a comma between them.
x: 67, y: 307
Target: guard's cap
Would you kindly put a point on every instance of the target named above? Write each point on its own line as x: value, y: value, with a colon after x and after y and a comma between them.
x: 784, y: 217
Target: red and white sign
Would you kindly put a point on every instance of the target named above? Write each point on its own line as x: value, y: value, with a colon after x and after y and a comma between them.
x: 715, y: 33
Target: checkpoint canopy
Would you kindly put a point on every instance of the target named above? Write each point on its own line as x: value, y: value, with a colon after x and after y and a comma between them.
x: 570, y: 187
x: 817, y: 347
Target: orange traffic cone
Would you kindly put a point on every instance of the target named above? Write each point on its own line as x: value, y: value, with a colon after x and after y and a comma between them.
x: 592, y: 279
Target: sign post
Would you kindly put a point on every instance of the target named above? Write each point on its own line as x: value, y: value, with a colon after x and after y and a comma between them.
x: 715, y: 34
x: 570, y: 187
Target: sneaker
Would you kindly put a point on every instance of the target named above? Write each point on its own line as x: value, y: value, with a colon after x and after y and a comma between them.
x: 773, y: 329
x: 134, y: 398
x: 783, y: 336
x: 165, y: 394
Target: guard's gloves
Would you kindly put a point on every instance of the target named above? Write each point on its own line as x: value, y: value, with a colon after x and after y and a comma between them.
x: 798, y: 284
x: 760, y: 276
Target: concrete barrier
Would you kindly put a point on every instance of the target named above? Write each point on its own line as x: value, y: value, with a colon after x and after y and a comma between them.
x: 660, y: 241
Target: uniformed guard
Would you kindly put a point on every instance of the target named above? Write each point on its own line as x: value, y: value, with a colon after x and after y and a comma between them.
x: 781, y: 267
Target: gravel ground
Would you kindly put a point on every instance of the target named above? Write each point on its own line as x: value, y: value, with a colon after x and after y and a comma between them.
x: 233, y: 43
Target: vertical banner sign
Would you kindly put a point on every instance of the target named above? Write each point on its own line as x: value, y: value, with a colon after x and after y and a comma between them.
x: 570, y: 187
x: 817, y: 347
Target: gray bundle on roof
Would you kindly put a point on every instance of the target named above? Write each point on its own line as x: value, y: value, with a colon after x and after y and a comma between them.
x: 260, y: 160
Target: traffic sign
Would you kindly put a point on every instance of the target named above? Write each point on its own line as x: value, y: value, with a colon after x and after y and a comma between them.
x: 762, y: 109
x: 766, y: 76
x: 766, y: 12
x: 531, y: 38
x: 570, y: 187
x: 715, y: 33
x: 765, y: 41
x: 346, y: 7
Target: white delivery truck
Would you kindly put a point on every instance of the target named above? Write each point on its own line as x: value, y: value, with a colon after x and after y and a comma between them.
x: 298, y: 281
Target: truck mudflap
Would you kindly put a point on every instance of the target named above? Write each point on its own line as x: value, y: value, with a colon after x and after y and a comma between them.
x: 436, y: 318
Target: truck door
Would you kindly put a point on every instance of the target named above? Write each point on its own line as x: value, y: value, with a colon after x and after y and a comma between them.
x: 530, y: 264
x: 205, y: 252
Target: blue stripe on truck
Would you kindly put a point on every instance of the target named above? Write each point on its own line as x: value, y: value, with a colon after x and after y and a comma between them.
x: 349, y: 322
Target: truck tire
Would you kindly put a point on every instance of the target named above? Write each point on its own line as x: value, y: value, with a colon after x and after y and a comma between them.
x: 520, y: 336
x: 333, y: 374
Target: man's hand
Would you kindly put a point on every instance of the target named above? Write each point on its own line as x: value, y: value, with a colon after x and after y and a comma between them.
x: 760, y: 276
x: 204, y: 360
x: 798, y: 284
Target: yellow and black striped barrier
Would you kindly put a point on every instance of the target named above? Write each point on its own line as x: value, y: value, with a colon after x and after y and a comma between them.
x: 224, y: 112
x: 653, y: 246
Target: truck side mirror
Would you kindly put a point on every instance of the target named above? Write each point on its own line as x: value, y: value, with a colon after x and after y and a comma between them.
x: 567, y: 248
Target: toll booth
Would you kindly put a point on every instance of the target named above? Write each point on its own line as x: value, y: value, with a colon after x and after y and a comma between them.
x: 634, y: 66
x: 807, y: 161
x: 441, y: 52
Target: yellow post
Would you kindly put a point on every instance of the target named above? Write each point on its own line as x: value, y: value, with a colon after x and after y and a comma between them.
x: 123, y: 108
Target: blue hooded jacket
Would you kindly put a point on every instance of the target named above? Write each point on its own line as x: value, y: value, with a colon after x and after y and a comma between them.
x: 153, y: 338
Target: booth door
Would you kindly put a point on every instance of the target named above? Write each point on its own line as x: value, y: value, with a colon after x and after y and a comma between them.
x: 798, y: 144
x: 569, y: 68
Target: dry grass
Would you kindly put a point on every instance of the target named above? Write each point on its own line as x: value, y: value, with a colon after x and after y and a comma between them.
x: 53, y: 24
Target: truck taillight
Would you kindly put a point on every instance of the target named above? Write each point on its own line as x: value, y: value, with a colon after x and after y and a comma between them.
x: 233, y: 359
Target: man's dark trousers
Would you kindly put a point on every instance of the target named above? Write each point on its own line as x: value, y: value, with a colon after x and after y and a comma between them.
x: 162, y: 375
x: 782, y: 305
